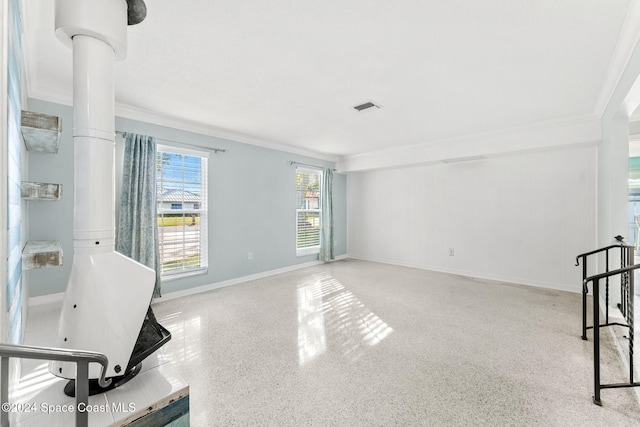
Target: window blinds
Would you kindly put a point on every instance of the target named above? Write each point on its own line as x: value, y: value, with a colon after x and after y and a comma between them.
x: 181, y: 185
x: 308, y: 208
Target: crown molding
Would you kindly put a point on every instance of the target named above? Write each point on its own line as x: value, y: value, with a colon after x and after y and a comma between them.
x: 578, y: 131
x: 623, y: 53
x: 543, y: 135
x: 143, y: 115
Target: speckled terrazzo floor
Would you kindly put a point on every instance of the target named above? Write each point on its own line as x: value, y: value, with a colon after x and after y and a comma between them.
x: 355, y: 343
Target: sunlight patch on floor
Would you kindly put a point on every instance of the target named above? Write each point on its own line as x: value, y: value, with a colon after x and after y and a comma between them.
x: 330, y: 314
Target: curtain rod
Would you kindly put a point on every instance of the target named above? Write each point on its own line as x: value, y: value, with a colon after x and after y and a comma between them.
x: 199, y: 147
x: 291, y: 162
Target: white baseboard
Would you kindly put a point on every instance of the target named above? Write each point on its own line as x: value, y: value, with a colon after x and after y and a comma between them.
x: 46, y: 299
x: 235, y: 281
x: 495, y: 278
x: 58, y: 297
x: 51, y: 298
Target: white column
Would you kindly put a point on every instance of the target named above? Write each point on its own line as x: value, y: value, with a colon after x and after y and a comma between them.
x: 94, y: 142
x: 613, y: 192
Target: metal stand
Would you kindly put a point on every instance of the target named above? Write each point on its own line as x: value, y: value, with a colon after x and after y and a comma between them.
x: 95, y: 387
x: 152, y: 336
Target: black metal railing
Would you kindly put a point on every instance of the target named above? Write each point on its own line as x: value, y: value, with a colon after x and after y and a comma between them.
x: 626, y: 259
x: 626, y: 274
x: 79, y: 357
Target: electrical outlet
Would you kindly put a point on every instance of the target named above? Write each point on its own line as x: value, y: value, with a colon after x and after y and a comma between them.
x: 450, y: 251
x: 250, y: 256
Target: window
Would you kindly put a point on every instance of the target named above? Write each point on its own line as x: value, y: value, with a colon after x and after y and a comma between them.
x: 308, y: 211
x: 181, y: 188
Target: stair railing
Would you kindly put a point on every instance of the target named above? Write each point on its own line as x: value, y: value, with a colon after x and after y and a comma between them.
x: 626, y: 259
x: 79, y: 357
x: 626, y: 274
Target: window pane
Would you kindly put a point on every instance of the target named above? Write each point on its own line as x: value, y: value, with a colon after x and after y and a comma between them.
x: 308, y: 234
x: 308, y: 190
x: 181, y: 198
x: 308, y: 208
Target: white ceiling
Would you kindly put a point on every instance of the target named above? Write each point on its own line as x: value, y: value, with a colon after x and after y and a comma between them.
x: 288, y: 72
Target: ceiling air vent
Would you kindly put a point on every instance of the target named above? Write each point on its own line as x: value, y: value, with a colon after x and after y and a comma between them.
x: 366, y: 106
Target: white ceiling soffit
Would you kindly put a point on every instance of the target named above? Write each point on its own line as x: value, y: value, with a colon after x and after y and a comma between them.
x: 287, y: 74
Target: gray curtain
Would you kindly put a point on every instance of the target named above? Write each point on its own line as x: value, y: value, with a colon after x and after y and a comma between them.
x: 326, y: 230
x: 137, y: 233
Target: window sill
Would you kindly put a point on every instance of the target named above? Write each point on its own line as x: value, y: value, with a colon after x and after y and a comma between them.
x: 183, y: 274
x: 308, y: 251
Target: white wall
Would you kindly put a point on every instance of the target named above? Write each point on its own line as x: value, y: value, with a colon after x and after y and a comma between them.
x: 520, y: 218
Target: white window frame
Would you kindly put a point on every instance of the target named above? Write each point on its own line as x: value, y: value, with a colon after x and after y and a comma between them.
x: 203, y: 212
x: 311, y: 250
